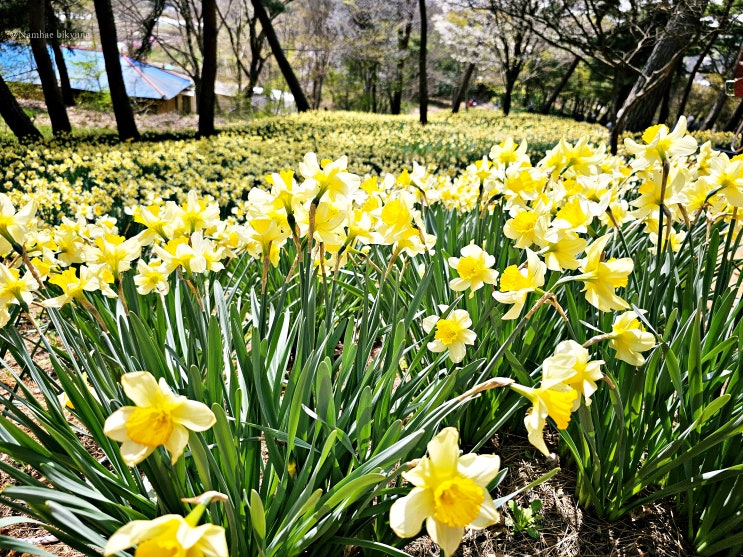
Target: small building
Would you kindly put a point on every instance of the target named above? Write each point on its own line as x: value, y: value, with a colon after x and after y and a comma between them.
x: 155, y: 88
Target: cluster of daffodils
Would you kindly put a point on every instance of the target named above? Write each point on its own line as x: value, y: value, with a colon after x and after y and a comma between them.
x: 75, y: 178
x: 332, y: 211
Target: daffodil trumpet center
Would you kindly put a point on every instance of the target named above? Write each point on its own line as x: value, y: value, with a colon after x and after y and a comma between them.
x: 150, y: 426
x: 158, y: 547
x: 457, y: 501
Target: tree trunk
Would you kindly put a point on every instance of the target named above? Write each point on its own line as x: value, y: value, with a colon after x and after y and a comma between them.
x: 52, y: 97
x: 682, y: 26
x: 109, y: 45
x: 665, y: 103
x: 508, y: 92
x: 547, y: 106
x: 722, y: 20
x: 18, y: 121
x: 735, y: 119
x: 423, y: 78
x: 64, y: 78
x: 714, y: 112
x: 286, y: 69
x: 403, y: 41
x: 462, y: 91
x: 208, y: 69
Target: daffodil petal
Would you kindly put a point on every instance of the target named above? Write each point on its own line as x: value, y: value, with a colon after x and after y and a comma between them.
x: 177, y: 442
x: 488, y: 513
x: 194, y: 415
x: 141, y: 387
x: 408, y: 513
x: 115, y: 425
x: 446, y: 537
x: 479, y: 468
x: 443, y: 450
x: 134, y: 453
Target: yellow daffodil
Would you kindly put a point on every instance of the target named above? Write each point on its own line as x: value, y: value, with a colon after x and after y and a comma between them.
x: 660, y: 145
x: 158, y: 417
x: 556, y: 402
x: 506, y: 153
x: 516, y: 283
x: 450, y: 493
x: 116, y: 252
x: 473, y: 269
x: 170, y: 535
x: 195, y: 214
x: 571, y: 362
x: 159, y: 221
x: 727, y: 176
x: 151, y: 276
x: 14, y: 224
x: 602, y: 278
x: 629, y: 338
x: 452, y: 334
x: 74, y: 287
x: 527, y: 227
x: 15, y: 289
x: 563, y: 249
x: 329, y: 177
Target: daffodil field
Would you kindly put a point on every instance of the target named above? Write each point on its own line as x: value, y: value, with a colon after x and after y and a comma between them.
x: 258, y: 350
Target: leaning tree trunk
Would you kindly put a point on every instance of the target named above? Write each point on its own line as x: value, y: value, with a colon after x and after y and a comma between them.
x: 109, y: 45
x: 547, y: 106
x: 462, y: 91
x: 64, y: 77
x: 208, y: 69
x: 681, y: 28
x: 286, y: 69
x: 52, y: 97
x: 423, y: 83
x: 18, y: 121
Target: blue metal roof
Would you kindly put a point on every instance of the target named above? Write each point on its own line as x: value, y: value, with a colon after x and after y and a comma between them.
x: 87, y: 72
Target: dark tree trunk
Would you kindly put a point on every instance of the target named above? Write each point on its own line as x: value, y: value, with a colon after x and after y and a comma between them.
x: 714, y: 112
x: 18, y: 121
x: 423, y: 83
x: 52, y: 97
x: 722, y: 21
x: 665, y: 104
x: 547, y: 106
x: 286, y: 69
x: 462, y: 91
x: 109, y: 45
x: 403, y: 40
x: 510, y: 84
x: 208, y: 69
x: 681, y: 28
x: 147, y: 28
x: 64, y: 78
x: 735, y: 119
